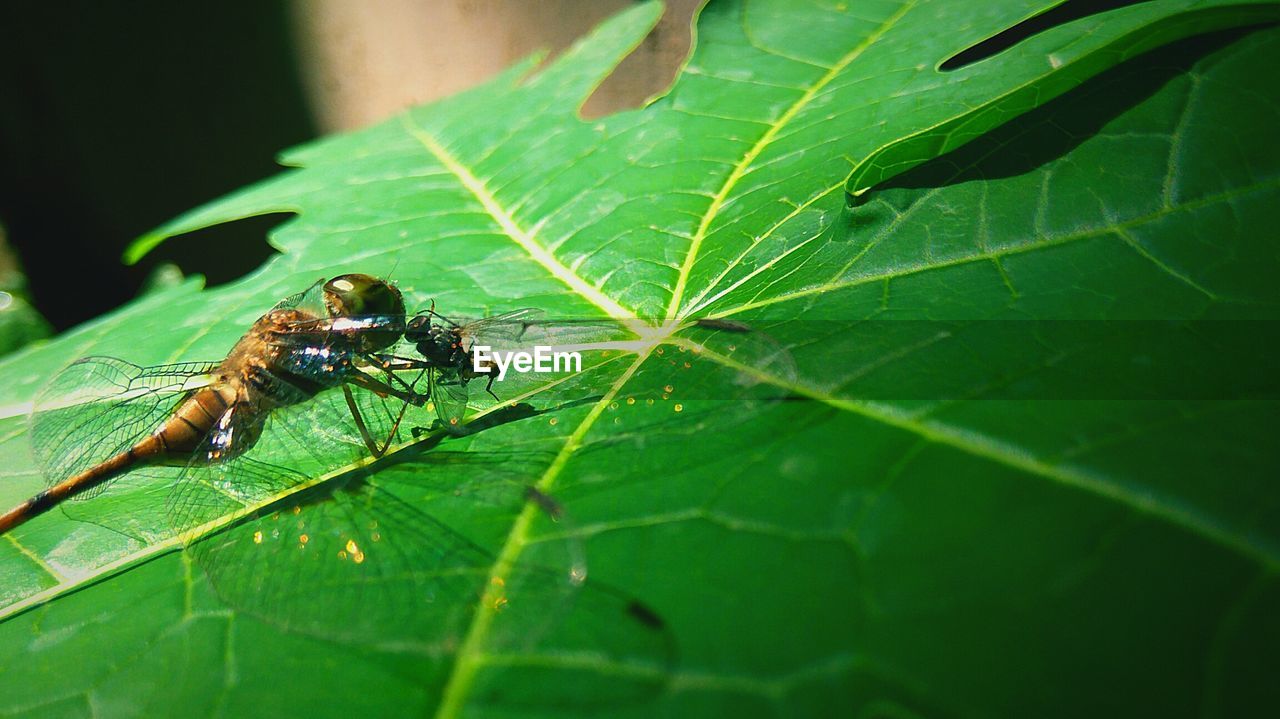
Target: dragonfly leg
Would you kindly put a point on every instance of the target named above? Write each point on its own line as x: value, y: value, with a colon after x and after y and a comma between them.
x: 382, y: 389
x: 369, y: 442
x: 390, y: 364
x: 396, y: 363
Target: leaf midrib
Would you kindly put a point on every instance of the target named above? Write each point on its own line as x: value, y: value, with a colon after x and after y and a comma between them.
x: 467, y: 661
x: 507, y: 222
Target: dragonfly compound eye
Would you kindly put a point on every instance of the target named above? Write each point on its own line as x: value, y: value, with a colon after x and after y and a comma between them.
x: 357, y: 294
x: 360, y: 295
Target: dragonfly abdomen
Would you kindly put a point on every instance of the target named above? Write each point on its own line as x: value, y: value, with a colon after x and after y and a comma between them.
x: 185, y: 430
x: 190, y: 425
x: 68, y: 488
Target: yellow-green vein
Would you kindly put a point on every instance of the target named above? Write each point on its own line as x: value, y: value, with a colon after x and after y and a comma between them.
x: 469, y: 653
x: 1163, y: 507
x: 163, y: 547
x: 697, y: 303
x: 35, y: 559
x: 512, y: 229
x: 740, y: 168
x: 1091, y: 233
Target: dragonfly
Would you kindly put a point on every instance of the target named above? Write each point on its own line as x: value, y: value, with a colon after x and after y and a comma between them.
x: 102, y: 417
x: 263, y: 461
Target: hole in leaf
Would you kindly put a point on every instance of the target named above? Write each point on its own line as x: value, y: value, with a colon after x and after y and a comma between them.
x: 222, y: 253
x: 651, y: 67
x: 1061, y: 15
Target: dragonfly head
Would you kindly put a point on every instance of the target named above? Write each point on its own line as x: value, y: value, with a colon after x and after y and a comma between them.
x: 364, y: 295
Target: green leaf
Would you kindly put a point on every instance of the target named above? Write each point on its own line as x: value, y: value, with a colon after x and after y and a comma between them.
x: 20, y: 323
x: 979, y: 508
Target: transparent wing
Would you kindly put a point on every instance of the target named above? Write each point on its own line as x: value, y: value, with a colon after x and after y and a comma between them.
x: 100, y: 406
x: 310, y: 299
x: 283, y: 540
x: 341, y: 560
x: 547, y: 628
x: 449, y: 397
x: 323, y: 326
x: 756, y: 348
x: 300, y: 533
x: 503, y: 331
x: 533, y: 330
x: 514, y: 318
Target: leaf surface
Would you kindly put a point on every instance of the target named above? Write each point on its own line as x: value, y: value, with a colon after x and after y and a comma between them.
x: 947, y: 524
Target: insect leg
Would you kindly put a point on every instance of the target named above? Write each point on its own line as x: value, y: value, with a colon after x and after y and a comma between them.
x: 374, y: 449
x: 390, y: 364
x: 489, y: 387
x: 432, y: 313
x: 383, y: 389
x: 360, y: 425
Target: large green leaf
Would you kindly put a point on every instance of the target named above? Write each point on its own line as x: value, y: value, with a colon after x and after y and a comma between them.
x: 951, y: 524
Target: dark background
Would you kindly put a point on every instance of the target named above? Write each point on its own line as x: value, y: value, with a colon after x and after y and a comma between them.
x: 118, y: 117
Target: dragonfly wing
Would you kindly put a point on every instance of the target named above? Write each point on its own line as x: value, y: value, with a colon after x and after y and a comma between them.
x: 317, y: 330
x: 100, y: 406
x: 223, y: 481
x: 541, y: 605
x: 298, y: 532
x: 97, y: 408
x: 295, y: 532
x: 310, y: 299
x: 561, y: 335
x: 342, y: 562
x: 514, y: 317
x: 575, y: 331
x: 284, y: 530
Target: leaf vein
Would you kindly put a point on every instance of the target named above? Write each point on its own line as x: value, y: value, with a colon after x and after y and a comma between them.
x: 740, y: 168
x: 512, y: 229
x: 470, y: 653
x: 1163, y: 507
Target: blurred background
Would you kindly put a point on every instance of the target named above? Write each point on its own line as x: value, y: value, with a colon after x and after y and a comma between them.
x: 117, y: 117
